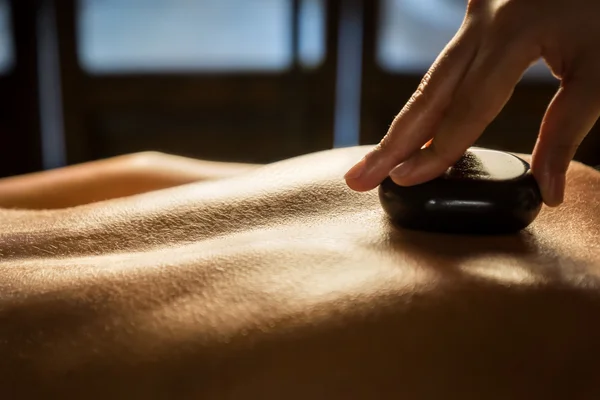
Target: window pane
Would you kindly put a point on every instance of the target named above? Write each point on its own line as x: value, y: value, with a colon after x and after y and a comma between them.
x: 6, y: 42
x: 118, y: 36
x: 312, y: 33
x: 413, y: 32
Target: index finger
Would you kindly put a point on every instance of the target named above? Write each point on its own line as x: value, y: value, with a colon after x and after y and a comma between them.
x: 417, y: 121
x: 481, y: 96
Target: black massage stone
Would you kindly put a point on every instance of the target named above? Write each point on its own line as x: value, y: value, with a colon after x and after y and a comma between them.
x: 485, y: 192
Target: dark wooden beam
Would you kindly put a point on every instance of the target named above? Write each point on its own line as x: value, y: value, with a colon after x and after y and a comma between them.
x: 20, y: 151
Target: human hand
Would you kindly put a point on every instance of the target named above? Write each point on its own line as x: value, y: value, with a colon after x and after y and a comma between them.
x: 473, y: 78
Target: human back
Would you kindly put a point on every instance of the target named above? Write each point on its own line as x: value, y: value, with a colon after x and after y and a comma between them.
x: 284, y: 283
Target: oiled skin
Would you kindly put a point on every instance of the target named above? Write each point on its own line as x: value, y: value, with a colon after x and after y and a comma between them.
x: 282, y: 283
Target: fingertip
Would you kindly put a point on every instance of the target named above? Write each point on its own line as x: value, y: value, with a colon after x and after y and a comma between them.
x: 357, y: 177
x: 552, y: 187
x: 355, y: 173
x: 371, y: 170
x: 552, y: 202
x: 359, y: 186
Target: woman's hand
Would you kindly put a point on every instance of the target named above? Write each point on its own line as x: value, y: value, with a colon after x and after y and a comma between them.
x: 473, y: 78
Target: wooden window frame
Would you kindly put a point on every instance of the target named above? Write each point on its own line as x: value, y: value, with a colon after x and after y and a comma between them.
x: 307, y: 95
x: 19, y: 112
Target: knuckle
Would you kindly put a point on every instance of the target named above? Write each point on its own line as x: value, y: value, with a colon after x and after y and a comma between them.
x: 421, y: 99
x: 389, y: 143
x: 511, y: 20
x: 476, y: 6
x: 424, y: 82
x: 415, y: 97
x: 386, y: 142
x: 421, y: 93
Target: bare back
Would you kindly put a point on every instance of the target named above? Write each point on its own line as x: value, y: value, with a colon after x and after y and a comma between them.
x: 283, y: 283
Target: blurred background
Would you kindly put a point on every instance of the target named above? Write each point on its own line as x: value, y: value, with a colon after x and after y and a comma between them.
x: 233, y: 80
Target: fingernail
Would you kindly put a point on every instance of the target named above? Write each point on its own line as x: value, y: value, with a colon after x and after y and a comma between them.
x: 356, y: 171
x: 553, y: 189
x: 402, y: 170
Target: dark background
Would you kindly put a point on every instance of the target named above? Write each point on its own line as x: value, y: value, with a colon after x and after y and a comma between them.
x: 88, y: 79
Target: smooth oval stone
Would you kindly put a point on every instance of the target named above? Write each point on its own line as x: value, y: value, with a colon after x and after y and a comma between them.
x: 485, y: 192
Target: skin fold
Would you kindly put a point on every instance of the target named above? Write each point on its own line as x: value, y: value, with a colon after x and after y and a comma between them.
x: 280, y: 282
